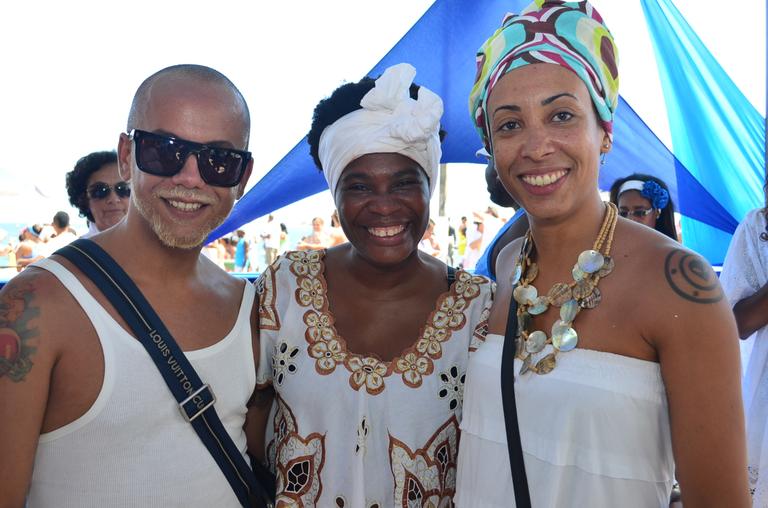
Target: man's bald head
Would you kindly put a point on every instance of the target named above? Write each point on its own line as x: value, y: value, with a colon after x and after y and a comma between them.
x: 181, y: 73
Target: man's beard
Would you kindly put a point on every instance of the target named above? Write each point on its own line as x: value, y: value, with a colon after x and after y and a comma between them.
x: 163, y: 227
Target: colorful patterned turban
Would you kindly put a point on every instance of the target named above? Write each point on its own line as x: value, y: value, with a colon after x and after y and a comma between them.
x: 571, y: 34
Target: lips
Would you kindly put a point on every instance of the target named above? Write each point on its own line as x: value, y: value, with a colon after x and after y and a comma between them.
x: 386, y: 232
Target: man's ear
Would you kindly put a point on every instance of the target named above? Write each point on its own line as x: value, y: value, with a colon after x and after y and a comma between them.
x: 124, y: 149
x: 244, y: 181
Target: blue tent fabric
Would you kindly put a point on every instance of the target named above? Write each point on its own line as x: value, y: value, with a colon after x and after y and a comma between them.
x: 441, y: 46
x: 716, y: 133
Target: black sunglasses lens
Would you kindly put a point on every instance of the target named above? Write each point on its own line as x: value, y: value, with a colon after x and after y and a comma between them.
x: 123, y: 190
x: 159, y: 155
x: 99, y: 191
x: 221, y: 167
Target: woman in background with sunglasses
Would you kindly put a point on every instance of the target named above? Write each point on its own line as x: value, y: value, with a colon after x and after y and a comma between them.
x: 645, y: 199
x: 97, y: 191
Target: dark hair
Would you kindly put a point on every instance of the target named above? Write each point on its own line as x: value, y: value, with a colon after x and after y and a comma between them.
x: 77, y: 179
x: 61, y: 220
x: 343, y: 101
x: 665, y: 223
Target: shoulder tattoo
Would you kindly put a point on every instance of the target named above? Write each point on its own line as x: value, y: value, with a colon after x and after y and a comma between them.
x: 691, y: 277
x: 16, y: 332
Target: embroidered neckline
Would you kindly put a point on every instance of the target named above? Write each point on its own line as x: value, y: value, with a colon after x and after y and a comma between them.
x: 329, y: 348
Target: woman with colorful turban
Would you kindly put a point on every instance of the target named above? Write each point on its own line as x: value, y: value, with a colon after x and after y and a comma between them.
x: 645, y: 199
x: 366, y: 344
x: 624, y: 354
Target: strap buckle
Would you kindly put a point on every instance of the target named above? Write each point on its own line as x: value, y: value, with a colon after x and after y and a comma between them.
x: 198, y: 401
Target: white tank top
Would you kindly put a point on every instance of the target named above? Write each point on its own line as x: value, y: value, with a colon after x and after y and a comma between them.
x: 594, y: 432
x: 132, y: 447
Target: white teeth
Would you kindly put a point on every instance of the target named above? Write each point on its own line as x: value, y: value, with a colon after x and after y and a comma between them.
x: 385, y: 232
x: 187, y: 207
x: 542, y: 180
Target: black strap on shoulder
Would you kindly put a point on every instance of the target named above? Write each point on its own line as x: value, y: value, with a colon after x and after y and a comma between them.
x: 195, y: 398
x: 451, y: 275
x: 515, y: 448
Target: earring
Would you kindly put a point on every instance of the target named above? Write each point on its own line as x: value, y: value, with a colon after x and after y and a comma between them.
x: 602, y: 159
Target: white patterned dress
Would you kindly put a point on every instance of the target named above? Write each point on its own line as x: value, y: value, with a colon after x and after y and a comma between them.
x: 350, y: 430
x: 745, y: 271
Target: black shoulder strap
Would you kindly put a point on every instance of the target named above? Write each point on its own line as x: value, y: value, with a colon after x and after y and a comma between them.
x: 195, y: 399
x: 516, y: 463
x: 451, y: 275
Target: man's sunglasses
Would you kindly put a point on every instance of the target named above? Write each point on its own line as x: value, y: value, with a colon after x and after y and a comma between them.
x: 644, y: 212
x: 162, y: 155
x: 101, y: 190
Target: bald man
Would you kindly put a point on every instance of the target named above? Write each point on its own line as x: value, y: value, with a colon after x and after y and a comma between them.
x: 87, y: 419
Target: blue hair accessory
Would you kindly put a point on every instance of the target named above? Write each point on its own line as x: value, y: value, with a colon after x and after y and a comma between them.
x: 656, y: 194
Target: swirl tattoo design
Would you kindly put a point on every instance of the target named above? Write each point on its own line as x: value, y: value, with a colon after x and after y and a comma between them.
x: 690, y: 277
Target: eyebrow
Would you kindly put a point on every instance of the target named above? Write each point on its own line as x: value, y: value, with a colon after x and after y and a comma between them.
x: 548, y: 100
x: 552, y: 99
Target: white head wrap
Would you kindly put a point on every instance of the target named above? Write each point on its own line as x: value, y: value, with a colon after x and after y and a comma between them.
x: 389, y: 122
x: 630, y: 185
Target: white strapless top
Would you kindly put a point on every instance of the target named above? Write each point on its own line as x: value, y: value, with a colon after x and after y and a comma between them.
x: 595, y: 432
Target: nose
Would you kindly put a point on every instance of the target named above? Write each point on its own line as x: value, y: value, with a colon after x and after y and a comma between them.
x: 189, y: 176
x: 383, y: 204
x: 537, y: 143
x: 112, y: 197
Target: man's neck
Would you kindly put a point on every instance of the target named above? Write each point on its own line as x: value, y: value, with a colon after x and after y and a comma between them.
x: 145, y: 258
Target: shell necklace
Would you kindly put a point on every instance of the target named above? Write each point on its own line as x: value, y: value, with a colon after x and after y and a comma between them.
x: 581, y: 293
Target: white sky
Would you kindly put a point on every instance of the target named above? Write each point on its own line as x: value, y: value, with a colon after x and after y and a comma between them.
x: 69, y: 71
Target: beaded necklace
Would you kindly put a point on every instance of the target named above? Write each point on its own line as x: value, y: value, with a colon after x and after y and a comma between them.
x: 581, y: 293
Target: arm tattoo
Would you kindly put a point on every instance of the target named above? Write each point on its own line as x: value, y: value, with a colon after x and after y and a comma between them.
x: 691, y: 277
x: 16, y: 312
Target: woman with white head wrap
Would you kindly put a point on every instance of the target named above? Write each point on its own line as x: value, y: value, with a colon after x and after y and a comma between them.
x: 366, y: 343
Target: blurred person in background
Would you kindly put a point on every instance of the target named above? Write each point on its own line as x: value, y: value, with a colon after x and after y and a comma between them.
x: 319, y: 239
x: 745, y: 282
x: 645, y: 199
x: 271, y: 237
x: 336, y: 232
x: 429, y: 242
x: 241, y: 252
x: 30, y: 246
x: 98, y: 192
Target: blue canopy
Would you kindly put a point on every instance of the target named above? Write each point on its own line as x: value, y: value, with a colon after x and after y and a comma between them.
x: 442, y: 45
x: 716, y: 132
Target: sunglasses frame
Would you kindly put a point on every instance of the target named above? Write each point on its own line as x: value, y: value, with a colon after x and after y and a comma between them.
x: 638, y: 214
x: 190, y: 148
x: 124, y: 194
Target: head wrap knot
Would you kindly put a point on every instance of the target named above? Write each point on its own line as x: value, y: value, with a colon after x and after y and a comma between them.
x: 389, y: 122
x: 570, y: 34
